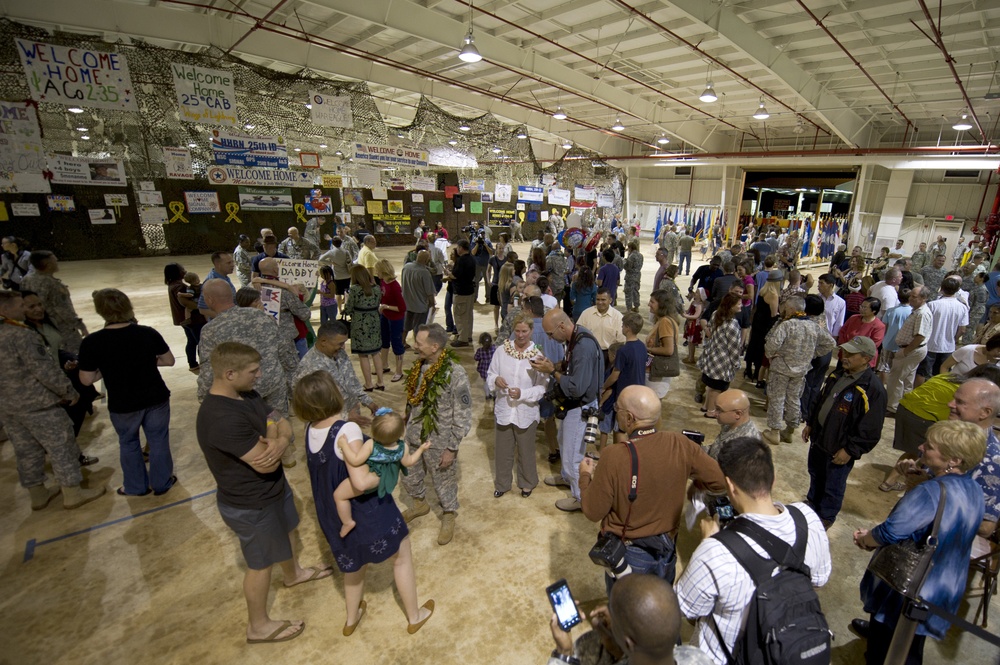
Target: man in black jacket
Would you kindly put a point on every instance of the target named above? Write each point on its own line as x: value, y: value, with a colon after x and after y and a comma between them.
x: 464, y: 279
x: 845, y: 423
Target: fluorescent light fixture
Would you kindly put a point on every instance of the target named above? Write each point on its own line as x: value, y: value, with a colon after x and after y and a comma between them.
x: 339, y: 153
x: 663, y: 140
x: 469, y: 52
x: 81, y: 129
x: 567, y: 145
x: 309, y: 106
x: 618, y: 126
x: 559, y: 115
x: 452, y: 142
x: 761, y: 113
x: 298, y: 149
x: 192, y: 145
x: 464, y: 127
x: 497, y: 151
x: 75, y: 109
x: 85, y: 137
x: 323, y: 145
x: 963, y: 124
x: 400, y: 135
x: 248, y: 126
x: 522, y: 134
x: 709, y: 95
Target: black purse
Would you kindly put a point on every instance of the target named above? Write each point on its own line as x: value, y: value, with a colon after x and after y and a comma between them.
x: 904, y: 566
x: 665, y: 366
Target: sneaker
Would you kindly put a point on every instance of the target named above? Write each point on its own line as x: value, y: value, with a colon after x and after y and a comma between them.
x: 556, y: 481
x: 568, y: 505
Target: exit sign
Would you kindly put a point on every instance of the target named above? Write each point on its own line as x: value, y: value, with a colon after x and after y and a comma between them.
x: 949, y: 218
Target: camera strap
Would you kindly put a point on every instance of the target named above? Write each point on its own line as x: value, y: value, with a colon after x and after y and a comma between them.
x: 633, y: 490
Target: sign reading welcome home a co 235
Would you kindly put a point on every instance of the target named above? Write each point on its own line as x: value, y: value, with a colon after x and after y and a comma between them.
x: 205, y: 95
x: 76, y: 76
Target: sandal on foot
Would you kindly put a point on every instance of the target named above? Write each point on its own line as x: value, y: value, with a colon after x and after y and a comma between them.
x: 895, y: 487
x: 497, y: 494
x: 381, y: 387
x: 525, y: 494
x: 349, y: 630
x: 121, y: 492
x: 317, y: 574
x: 368, y: 390
x: 396, y: 377
x: 273, y: 637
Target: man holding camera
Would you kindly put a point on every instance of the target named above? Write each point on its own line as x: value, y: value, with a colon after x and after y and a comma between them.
x: 638, y: 529
x: 574, y: 391
x: 715, y: 589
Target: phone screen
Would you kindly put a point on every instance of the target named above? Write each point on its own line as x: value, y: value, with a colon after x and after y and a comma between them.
x: 563, y: 604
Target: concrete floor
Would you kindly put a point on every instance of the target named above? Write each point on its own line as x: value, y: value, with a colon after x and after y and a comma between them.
x: 157, y: 579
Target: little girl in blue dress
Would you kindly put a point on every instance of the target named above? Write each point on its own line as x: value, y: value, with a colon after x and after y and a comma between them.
x: 375, y: 465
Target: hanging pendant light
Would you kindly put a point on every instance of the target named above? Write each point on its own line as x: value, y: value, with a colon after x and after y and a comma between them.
x: 663, y: 140
x: 559, y: 115
x: 618, y: 126
x: 469, y: 52
x: 709, y: 95
x: 761, y: 113
x: 963, y: 123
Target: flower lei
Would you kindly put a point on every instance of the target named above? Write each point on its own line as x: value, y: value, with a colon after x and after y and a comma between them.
x: 429, y: 391
x: 527, y: 354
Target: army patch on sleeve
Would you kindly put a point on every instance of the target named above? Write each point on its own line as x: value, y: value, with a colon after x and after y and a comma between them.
x: 466, y: 399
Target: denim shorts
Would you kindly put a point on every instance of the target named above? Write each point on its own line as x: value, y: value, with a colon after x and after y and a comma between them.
x: 263, y: 532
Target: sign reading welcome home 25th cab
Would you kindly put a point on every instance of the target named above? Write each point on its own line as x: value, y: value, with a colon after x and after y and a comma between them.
x: 205, y: 95
x: 76, y: 76
x: 239, y: 150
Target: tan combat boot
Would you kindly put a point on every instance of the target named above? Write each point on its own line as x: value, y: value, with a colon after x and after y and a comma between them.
x: 41, y: 495
x: 74, y: 497
x: 419, y: 509
x: 447, y: 529
x: 786, y: 434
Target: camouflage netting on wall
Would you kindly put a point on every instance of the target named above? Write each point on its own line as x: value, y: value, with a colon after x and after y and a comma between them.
x: 270, y: 103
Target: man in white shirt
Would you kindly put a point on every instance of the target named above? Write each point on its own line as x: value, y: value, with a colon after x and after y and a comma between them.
x: 886, y: 291
x: 835, y: 307
x: 912, y: 342
x: 950, y: 316
x: 603, y: 321
x: 715, y: 588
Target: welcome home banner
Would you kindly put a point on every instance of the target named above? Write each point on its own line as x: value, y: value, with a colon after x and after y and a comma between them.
x: 76, y: 76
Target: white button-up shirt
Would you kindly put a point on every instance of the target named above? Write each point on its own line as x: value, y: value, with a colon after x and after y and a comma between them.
x: 835, y: 308
x: 523, y: 411
x: 607, y: 327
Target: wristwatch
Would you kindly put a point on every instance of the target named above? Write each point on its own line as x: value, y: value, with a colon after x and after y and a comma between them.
x: 561, y: 657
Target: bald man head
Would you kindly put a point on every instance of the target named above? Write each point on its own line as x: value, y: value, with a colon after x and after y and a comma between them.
x: 218, y: 295
x: 532, y: 290
x: 976, y: 401
x: 556, y: 323
x: 638, y: 406
x: 268, y: 267
x: 645, y: 618
x: 732, y: 408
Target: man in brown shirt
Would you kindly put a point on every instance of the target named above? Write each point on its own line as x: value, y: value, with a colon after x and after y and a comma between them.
x: 666, y: 461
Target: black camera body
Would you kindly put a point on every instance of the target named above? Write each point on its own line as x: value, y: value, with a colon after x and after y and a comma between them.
x: 609, y: 552
x: 561, y: 402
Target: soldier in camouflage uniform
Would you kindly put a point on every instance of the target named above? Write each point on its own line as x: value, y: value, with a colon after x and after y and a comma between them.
x: 328, y: 355
x: 920, y: 258
x: 452, y: 421
x: 633, y: 272
x: 314, y: 230
x: 55, y: 297
x: 668, y: 242
x: 349, y: 244
x: 290, y: 307
x: 297, y: 247
x: 555, y: 264
x: 32, y: 389
x: 253, y: 327
x: 242, y: 259
x: 791, y: 345
x: 933, y: 276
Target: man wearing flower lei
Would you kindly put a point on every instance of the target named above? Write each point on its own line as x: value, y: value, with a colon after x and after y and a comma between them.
x: 439, y: 410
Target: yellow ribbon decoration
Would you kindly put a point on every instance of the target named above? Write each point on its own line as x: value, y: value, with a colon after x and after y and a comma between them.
x: 177, y: 208
x: 232, y: 209
x: 300, y: 213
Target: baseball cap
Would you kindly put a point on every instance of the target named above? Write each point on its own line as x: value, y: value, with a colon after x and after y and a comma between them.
x: 859, y: 344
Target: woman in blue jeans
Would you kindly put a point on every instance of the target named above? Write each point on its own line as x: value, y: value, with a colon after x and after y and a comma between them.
x: 127, y: 356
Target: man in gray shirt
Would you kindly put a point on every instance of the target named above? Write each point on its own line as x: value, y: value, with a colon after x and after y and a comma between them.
x: 418, y: 291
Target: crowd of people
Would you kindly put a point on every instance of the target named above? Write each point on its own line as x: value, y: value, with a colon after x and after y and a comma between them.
x: 898, y: 337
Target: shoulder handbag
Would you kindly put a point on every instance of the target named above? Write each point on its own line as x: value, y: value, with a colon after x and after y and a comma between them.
x: 905, y: 565
x: 665, y: 366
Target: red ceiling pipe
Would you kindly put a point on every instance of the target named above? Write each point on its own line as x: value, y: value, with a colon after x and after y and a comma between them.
x: 255, y: 26
x: 855, y: 61
x: 697, y: 49
x: 939, y: 42
x: 595, y: 62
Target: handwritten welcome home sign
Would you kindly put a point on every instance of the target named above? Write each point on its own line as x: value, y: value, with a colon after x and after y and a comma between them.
x: 76, y: 76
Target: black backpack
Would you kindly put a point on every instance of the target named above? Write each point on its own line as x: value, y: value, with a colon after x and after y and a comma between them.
x: 783, y: 623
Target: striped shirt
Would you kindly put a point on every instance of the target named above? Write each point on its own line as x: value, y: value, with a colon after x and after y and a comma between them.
x: 715, y: 584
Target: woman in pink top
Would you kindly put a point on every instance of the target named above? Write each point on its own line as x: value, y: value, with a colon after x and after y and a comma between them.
x: 864, y: 324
